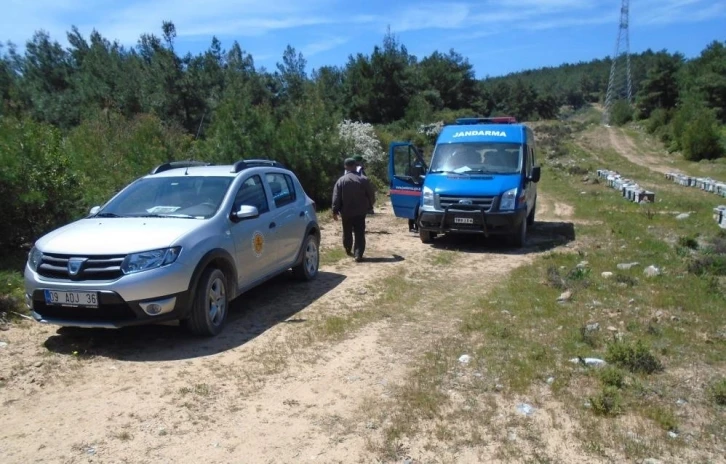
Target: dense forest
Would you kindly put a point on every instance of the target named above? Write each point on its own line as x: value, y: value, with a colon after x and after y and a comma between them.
x: 78, y: 123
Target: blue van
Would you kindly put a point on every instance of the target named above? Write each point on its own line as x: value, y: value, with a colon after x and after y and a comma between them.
x: 482, y: 180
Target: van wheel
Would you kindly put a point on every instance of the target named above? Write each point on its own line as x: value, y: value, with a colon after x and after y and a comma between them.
x: 530, y: 216
x: 520, y: 238
x: 426, y: 236
x: 211, y: 304
x: 308, y: 267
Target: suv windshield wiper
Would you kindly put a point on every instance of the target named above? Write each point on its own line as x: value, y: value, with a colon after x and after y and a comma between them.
x: 107, y: 215
x: 170, y: 215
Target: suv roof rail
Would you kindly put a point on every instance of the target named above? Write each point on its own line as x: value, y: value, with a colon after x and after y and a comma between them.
x: 495, y: 120
x: 241, y: 165
x: 178, y: 164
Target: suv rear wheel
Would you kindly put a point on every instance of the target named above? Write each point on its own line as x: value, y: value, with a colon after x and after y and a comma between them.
x: 308, y: 267
x: 211, y: 304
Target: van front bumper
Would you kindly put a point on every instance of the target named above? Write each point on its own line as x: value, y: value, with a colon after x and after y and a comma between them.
x: 471, y: 221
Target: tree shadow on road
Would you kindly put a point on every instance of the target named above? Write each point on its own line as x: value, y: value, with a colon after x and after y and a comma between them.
x: 253, y: 313
x: 542, y: 236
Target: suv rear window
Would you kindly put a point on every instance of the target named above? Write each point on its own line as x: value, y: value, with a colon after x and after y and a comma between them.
x: 282, y: 188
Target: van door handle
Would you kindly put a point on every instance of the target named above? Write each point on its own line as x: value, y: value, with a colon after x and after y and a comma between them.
x: 272, y: 225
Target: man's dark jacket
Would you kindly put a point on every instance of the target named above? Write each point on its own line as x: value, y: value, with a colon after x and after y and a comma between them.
x: 353, y: 195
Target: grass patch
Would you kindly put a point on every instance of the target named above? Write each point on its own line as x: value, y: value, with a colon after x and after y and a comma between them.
x: 332, y: 256
x: 443, y: 258
x: 664, y: 417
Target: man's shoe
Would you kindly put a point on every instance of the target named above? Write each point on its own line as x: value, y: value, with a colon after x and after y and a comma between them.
x: 348, y: 252
x: 358, y: 258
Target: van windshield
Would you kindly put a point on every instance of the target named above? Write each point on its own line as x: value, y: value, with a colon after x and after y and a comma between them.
x: 472, y: 157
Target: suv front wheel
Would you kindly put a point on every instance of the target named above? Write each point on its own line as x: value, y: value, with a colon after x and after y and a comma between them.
x: 211, y: 304
x: 308, y: 267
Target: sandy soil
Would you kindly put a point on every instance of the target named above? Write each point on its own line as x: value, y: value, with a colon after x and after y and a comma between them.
x: 267, y: 389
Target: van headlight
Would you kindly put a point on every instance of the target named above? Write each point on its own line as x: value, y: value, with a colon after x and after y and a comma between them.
x: 34, y: 258
x: 428, y: 197
x: 509, y: 200
x: 138, y: 262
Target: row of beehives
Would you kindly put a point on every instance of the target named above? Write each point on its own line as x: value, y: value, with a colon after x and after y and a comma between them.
x: 629, y: 188
x: 703, y: 183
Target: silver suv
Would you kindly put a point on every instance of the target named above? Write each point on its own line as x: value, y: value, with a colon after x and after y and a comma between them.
x: 177, y: 244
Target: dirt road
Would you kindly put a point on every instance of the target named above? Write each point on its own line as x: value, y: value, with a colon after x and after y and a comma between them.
x: 623, y: 144
x: 283, y: 383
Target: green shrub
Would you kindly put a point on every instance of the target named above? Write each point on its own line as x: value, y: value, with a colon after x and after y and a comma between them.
x: 717, y: 392
x: 607, y: 402
x: 612, y: 377
x: 658, y: 118
x: 621, y: 113
x: 635, y: 357
x: 38, y: 187
x: 688, y: 242
x: 701, y: 138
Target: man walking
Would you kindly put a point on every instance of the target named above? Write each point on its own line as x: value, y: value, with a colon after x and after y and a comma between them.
x: 353, y: 197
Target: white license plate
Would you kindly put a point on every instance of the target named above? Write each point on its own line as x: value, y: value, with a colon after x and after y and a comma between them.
x: 76, y: 299
x: 463, y: 220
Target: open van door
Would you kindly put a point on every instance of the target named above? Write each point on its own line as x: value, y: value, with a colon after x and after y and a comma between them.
x: 406, y: 172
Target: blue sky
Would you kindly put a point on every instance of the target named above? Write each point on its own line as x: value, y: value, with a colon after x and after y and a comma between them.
x: 497, y: 36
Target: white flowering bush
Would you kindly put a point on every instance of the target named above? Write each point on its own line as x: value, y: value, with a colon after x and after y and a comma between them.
x: 431, y: 131
x: 359, y: 138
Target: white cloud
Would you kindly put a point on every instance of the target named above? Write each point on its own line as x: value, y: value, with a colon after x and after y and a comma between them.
x: 322, y: 45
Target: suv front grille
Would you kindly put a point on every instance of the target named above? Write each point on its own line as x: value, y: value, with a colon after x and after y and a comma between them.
x: 94, y: 268
x: 469, y: 203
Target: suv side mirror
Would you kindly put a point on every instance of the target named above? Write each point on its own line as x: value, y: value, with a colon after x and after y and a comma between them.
x: 246, y: 212
x: 536, y: 173
x: 95, y: 210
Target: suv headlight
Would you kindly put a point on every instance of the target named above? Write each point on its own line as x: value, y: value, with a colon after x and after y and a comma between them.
x: 138, y: 262
x: 509, y: 200
x: 34, y: 258
x: 428, y: 197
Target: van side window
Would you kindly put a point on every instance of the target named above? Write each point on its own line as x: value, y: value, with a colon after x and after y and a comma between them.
x: 252, y: 193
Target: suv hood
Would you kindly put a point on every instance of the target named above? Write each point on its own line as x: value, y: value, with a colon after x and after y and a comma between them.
x: 116, y: 236
x: 472, y: 185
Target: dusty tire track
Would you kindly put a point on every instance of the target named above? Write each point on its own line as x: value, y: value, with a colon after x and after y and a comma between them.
x: 258, y: 393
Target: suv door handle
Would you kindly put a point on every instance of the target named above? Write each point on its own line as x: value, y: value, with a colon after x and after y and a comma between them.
x: 272, y: 225
x: 302, y: 213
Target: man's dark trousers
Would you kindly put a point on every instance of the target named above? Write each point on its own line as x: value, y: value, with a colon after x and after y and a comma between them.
x: 354, y: 226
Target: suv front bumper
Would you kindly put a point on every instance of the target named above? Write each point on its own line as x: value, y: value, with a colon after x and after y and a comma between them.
x: 471, y: 221
x: 120, y: 303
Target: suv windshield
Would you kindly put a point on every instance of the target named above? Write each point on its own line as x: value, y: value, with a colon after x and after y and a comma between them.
x: 187, y: 197
x: 500, y: 158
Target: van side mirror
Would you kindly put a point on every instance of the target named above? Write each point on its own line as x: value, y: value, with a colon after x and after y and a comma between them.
x: 245, y: 212
x: 95, y: 210
x: 536, y: 173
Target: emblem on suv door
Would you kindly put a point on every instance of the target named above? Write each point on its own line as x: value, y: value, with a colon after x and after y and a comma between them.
x: 75, y: 265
